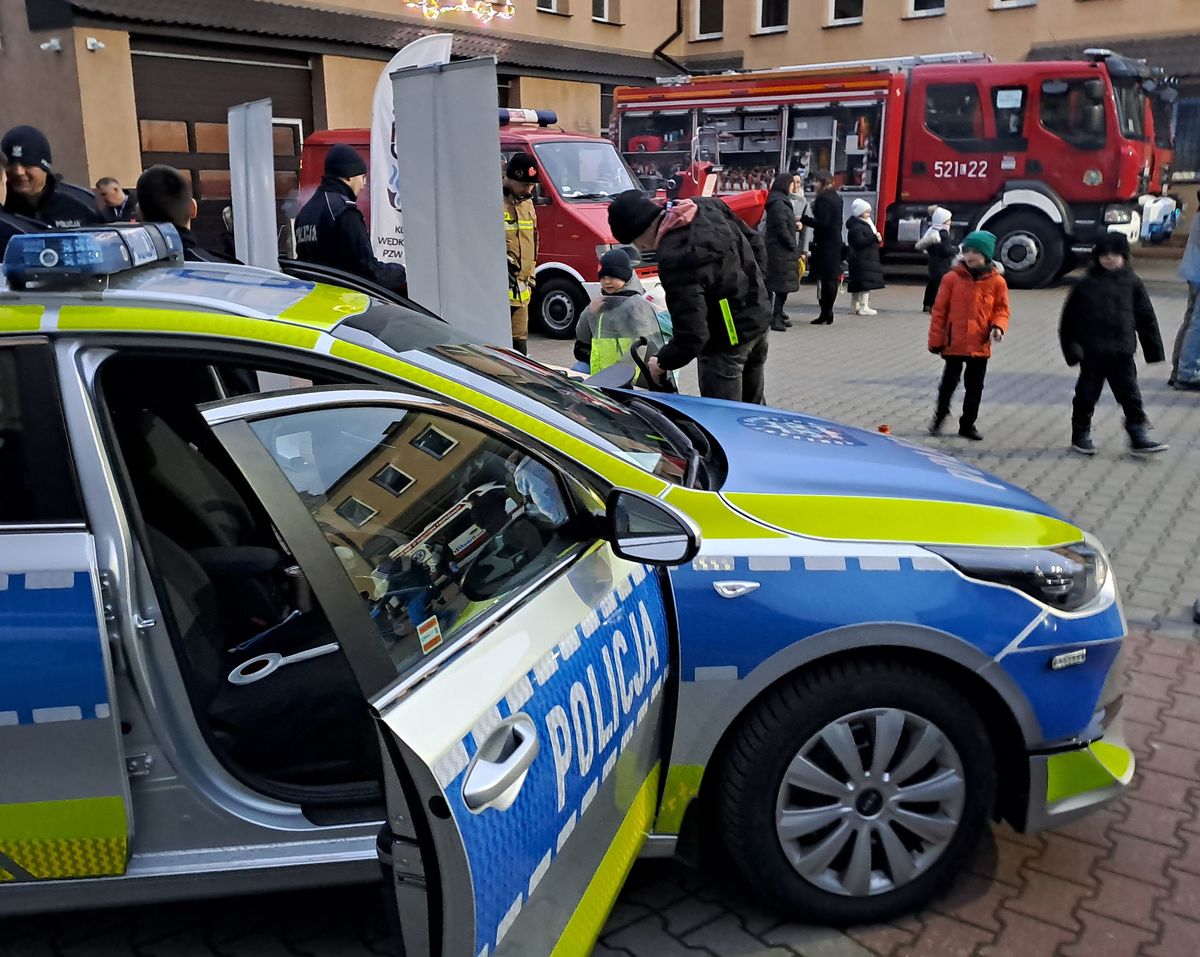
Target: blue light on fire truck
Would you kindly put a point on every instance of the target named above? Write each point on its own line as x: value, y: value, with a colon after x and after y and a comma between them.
x: 101, y: 251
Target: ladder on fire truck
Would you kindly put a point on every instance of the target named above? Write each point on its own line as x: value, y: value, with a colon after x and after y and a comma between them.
x: 885, y: 64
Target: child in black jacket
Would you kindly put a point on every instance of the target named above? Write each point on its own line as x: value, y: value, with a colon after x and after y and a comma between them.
x: 1102, y: 321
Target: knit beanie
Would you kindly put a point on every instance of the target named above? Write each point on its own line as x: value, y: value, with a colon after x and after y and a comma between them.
x: 522, y: 168
x: 615, y: 263
x: 28, y: 146
x: 982, y: 242
x: 941, y: 217
x: 343, y: 161
x: 859, y: 207
x: 1111, y: 243
x: 631, y: 214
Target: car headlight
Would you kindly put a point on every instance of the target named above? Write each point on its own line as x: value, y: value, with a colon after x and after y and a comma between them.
x: 1118, y: 214
x: 1065, y: 578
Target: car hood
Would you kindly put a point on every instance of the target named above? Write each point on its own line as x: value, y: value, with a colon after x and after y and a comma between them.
x: 772, y: 452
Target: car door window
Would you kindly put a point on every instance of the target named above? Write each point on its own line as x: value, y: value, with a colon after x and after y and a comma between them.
x: 434, y: 521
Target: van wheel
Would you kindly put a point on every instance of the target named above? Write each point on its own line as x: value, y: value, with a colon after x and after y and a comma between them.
x: 855, y: 792
x: 558, y: 304
x: 1030, y: 248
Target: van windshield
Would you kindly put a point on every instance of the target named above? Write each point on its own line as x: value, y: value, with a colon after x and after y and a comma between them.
x: 1131, y: 108
x: 584, y: 171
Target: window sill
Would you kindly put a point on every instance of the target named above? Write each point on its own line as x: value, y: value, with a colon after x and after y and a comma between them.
x: 1012, y: 4
x: 767, y: 31
x: 608, y: 23
x: 554, y: 13
x: 707, y: 37
x: 924, y: 14
x: 850, y: 22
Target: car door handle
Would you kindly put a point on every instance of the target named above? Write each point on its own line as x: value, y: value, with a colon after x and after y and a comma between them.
x: 500, y: 764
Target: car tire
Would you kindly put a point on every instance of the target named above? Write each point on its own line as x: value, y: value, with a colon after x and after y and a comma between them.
x: 1030, y: 248
x: 558, y: 303
x: 784, y: 806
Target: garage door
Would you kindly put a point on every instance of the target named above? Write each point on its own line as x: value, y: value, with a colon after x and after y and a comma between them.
x: 183, y: 95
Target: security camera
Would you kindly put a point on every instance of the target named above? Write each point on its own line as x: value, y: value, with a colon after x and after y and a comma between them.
x: 93, y: 44
x: 53, y: 45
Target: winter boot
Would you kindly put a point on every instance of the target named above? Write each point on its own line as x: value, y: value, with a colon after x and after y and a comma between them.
x: 1081, y: 442
x: 936, y: 423
x: 778, y: 324
x: 1140, y: 442
x: 970, y: 432
x: 864, y: 306
x: 521, y: 346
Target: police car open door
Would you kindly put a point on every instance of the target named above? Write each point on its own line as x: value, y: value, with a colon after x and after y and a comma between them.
x: 515, y: 664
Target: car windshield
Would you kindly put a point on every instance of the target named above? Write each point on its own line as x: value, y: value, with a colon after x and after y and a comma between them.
x: 585, y: 170
x: 546, y: 394
x: 1131, y: 108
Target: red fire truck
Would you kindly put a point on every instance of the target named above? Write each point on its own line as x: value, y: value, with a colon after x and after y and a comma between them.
x: 1046, y: 155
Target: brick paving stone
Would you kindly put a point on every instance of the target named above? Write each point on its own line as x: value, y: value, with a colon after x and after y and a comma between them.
x: 945, y: 937
x: 1105, y: 937
x: 684, y: 916
x: 1189, y: 860
x: 1068, y: 858
x: 1152, y: 822
x: 1002, y: 861
x: 1188, y: 683
x: 726, y: 937
x: 1150, y: 686
x: 1140, y: 859
x: 1050, y: 899
x: 1024, y: 936
x: 1158, y: 788
x: 1184, y: 896
x: 976, y: 900
x: 811, y: 941
x: 1182, y: 762
x: 881, y: 940
x: 1138, y: 735
x: 1143, y: 710
x: 1178, y: 937
x: 648, y: 938
x: 1186, y: 734
x: 1095, y: 828
x: 1164, y: 666
x: 1126, y: 899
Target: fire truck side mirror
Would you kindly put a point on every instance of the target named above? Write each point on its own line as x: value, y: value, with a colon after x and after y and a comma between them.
x: 1094, y: 90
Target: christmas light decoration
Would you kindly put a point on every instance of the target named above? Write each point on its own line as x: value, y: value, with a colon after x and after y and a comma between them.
x: 485, y: 11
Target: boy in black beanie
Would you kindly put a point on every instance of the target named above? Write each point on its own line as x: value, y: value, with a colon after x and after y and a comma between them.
x: 611, y: 324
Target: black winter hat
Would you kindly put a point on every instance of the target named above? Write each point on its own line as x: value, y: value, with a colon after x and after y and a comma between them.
x: 1111, y: 243
x: 343, y: 161
x: 28, y: 146
x: 616, y: 263
x: 631, y: 214
x: 522, y: 168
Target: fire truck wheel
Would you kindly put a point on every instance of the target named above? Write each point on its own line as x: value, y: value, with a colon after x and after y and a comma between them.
x: 1030, y: 248
x: 558, y: 303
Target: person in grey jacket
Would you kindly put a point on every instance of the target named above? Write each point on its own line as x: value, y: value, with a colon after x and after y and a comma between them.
x: 1185, y: 364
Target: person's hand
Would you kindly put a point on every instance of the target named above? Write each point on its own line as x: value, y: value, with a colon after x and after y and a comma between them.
x: 936, y: 350
x: 657, y: 372
x: 997, y: 334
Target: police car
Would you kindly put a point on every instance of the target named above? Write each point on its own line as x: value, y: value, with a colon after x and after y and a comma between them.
x: 294, y: 581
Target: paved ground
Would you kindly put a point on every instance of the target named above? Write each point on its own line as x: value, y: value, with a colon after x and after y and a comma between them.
x: 1124, y: 882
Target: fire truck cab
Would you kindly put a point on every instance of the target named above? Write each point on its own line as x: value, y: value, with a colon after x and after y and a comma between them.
x: 1046, y: 155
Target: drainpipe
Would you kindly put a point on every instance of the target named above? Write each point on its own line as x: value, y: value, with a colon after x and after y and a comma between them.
x: 660, y: 51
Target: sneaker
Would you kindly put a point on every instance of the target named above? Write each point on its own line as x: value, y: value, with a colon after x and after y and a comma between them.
x: 970, y: 432
x: 1081, y: 442
x: 935, y: 424
x: 1140, y: 442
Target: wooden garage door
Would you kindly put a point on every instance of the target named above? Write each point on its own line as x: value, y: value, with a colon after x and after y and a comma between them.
x: 183, y: 95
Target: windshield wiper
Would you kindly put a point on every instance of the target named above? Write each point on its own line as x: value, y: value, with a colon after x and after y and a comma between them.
x: 675, y: 435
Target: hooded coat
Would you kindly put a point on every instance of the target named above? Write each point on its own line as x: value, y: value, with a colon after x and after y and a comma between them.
x: 712, y: 267
x: 968, y: 307
x: 1106, y: 314
x: 783, y: 244
x: 611, y: 324
x: 866, y: 269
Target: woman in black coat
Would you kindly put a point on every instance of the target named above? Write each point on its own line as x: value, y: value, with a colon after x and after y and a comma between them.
x: 825, y: 259
x: 783, y: 245
x: 866, y: 269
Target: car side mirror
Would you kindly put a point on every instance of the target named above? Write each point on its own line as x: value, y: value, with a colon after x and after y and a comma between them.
x: 644, y: 529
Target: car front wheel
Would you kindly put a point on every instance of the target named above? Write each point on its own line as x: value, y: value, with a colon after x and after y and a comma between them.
x: 855, y: 792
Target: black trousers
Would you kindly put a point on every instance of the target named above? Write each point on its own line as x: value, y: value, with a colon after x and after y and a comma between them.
x: 1121, y: 375
x: 976, y: 369
x: 931, y: 291
x: 827, y: 291
x: 780, y: 301
x: 737, y: 375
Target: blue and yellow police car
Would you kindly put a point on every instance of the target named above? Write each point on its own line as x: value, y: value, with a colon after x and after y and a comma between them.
x: 295, y: 581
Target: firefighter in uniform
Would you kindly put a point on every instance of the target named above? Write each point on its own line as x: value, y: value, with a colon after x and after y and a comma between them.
x: 520, y: 234
x: 331, y: 231
x: 35, y: 191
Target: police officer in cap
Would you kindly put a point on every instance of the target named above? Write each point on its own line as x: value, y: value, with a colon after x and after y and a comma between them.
x: 520, y: 235
x: 35, y: 191
x: 331, y: 231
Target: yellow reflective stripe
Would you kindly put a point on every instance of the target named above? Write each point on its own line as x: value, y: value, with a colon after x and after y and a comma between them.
x: 5, y: 876
x: 583, y: 929
x: 1098, y: 766
x: 730, y: 328
x: 610, y: 466
x: 125, y: 319
x: 715, y: 518
x: 683, y: 785
x: 855, y: 518
x: 56, y: 839
x: 325, y: 307
x: 522, y: 297
x: 21, y: 318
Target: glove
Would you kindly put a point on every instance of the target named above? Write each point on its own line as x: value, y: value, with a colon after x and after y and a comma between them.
x: 936, y: 350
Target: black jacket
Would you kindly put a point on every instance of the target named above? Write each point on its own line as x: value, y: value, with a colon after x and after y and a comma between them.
x: 825, y: 259
x: 941, y: 256
x: 61, y: 206
x: 783, y: 245
x: 714, y: 259
x: 124, y: 213
x: 1106, y: 314
x: 866, y: 270
x: 331, y: 231
x: 193, y: 252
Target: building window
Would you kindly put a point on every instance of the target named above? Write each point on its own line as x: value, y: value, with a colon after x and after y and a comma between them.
x: 355, y: 512
x: 1187, y: 141
x: 605, y: 11
x: 953, y: 111
x: 391, y: 478
x: 434, y: 442
x: 548, y: 6
x: 772, y: 16
x: 845, y: 12
x: 710, y: 19
x: 926, y: 8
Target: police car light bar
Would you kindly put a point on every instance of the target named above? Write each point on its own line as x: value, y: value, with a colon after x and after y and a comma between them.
x: 528, y: 117
x: 54, y: 257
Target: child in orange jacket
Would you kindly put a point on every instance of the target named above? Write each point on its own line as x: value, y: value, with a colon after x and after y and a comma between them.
x: 970, y: 313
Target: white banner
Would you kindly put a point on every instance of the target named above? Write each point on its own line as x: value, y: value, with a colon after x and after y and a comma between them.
x: 387, y: 225
x: 252, y: 182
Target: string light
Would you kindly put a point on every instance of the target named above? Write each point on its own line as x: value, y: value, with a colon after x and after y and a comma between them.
x: 485, y: 11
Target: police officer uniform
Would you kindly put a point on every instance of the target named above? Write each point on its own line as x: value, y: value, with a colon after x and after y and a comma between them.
x: 520, y: 235
x: 331, y: 231
x: 60, y: 205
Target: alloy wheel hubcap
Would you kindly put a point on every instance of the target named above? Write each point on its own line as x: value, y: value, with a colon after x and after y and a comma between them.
x: 870, y: 802
x: 1019, y: 252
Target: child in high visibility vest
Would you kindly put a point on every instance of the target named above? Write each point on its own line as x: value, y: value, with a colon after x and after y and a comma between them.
x: 613, y: 323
